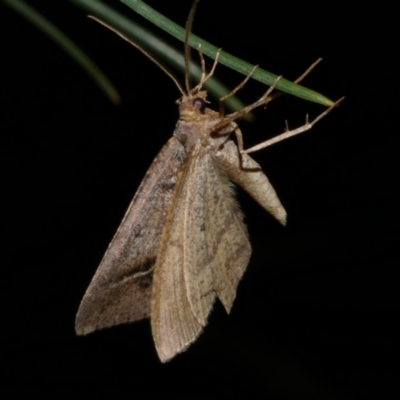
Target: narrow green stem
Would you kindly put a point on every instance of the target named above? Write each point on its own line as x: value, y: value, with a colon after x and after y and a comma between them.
x: 67, y: 45
x: 225, y: 58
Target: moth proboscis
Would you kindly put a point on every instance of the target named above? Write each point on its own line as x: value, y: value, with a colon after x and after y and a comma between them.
x: 182, y: 243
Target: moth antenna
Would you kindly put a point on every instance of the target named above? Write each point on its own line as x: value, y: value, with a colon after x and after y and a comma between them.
x: 189, y: 24
x: 148, y: 55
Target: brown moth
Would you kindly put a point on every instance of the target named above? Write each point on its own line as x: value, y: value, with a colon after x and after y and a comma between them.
x: 182, y: 242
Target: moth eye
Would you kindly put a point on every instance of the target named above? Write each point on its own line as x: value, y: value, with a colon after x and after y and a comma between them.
x: 199, y: 103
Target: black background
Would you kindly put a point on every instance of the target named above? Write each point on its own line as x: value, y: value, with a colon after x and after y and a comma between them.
x: 316, y: 316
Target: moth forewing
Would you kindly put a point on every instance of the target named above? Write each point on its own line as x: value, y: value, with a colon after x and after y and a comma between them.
x: 174, y: 326
x: 197, y: 271
x: 124, y: 276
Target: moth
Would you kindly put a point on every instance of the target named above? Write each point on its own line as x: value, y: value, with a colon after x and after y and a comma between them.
x: 182, y: 242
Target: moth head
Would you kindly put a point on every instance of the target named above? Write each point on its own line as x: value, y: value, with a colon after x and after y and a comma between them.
x: 193, y: 106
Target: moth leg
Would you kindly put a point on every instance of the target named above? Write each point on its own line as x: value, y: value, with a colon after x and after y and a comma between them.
x: 266, y: 98
x: 205, y: 78
x: 233, y: 127
x: 238, y: 114
x: 233, y: 91
x: 299, y: 79
x: 239, y: 138
x: 308, y: 70
x: 203, y: 64
x: 288, y: 133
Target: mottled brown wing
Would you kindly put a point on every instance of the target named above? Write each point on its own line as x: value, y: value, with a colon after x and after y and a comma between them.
x: 229, y: 249
x: 251, y: 178
x: 204, y: 251
x: 173, y: 323
x: 120, y: 290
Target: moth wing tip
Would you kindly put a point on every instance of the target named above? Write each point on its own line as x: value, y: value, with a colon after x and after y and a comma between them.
x: 165, y: 359
x: 281, y: 215
x: 166, y: 355
x: 83, y: 330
